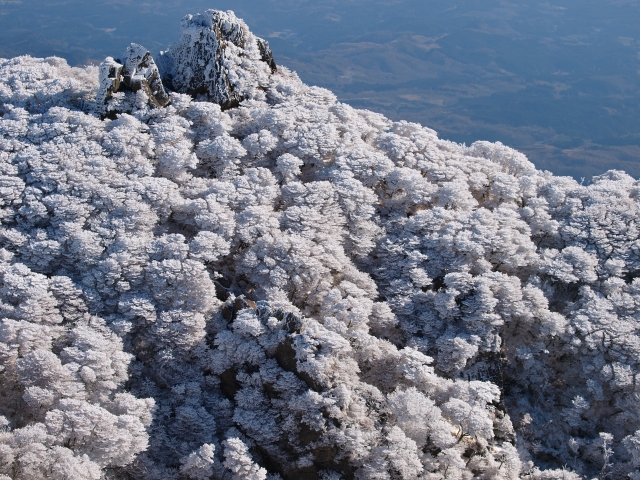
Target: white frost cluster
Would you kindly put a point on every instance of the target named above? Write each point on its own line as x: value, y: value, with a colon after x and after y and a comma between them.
x: 292, y: 288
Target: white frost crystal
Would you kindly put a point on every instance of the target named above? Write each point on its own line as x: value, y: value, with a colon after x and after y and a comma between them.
x: 293, y: 288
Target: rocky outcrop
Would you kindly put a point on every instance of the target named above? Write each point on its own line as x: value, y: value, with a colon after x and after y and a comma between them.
x: 110, y: 77
x: 218, y: 58
x: 138, y: 72
x: 267, y: 55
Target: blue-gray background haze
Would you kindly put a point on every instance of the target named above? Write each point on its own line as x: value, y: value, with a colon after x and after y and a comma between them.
x: 558, y: 81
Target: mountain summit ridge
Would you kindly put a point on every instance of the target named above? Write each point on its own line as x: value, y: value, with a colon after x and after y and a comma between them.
x: 256, y: 281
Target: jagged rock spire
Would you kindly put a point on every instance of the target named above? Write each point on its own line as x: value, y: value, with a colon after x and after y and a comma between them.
x: 217, y: 57
x: 110, y: 77
x: 139, y: 72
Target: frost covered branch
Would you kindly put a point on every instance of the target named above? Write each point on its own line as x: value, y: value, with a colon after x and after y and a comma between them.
x: 209, y: 269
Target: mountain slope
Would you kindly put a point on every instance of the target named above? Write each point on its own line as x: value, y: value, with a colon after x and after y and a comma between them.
x: 256, y: 280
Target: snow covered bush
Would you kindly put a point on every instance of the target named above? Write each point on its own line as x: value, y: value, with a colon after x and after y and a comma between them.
x: 250, y: 279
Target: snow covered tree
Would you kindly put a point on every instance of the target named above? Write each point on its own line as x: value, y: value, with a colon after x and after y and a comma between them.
x: 209, y: 269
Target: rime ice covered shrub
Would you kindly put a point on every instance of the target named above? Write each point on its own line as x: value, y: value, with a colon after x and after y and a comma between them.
x: 293, y: 288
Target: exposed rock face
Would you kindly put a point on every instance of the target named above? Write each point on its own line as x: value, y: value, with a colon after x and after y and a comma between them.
x: 267, y: 54
x: 218, y: 57
x: 139, y: 72
x: 110, y: 78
